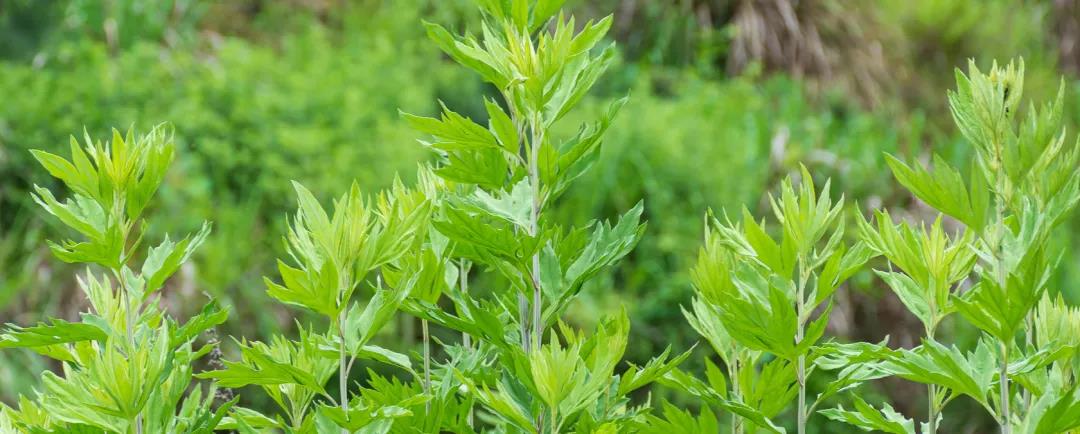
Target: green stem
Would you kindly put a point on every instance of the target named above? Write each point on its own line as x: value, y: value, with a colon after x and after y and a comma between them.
x: 1002, y: 277
x: 523, y: 300
x: 427, y: 362
x: 523, y: 316
x: 1028, y: 341
x: 129, y: 326
x: 466, y: 339
x: 800, y: 308
x: 802, y: 393
x: 343, y: 375
x: 1004, y: 382
x: 733, y: 373
x: 534, y: 224
x: 463, y: 279
x: 932, y: 409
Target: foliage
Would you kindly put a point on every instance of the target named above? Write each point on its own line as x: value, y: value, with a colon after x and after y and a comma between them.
x: 517, y: 281
x: 1022, y: 184
x: 126, y: 363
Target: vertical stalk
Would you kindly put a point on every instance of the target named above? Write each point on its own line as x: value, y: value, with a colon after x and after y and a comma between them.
x: 427, y: 362
x: 523, y: 317
x: 1004, y: 373
x: 1028, y: 341
x: 1002, y: 282
x: 799, y: 335
x: 523, y: 300
x: 463, y: 285
x: 932, y: 411
x: 466, y: 339
x: 931, y: 390
x: 129, y: 328
x: 802, y: 390
x: 534, y: 224
x: 733, y: 373
x: 343, y: 375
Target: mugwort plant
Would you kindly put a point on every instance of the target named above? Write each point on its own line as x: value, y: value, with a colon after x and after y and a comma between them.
x: 473, y: 253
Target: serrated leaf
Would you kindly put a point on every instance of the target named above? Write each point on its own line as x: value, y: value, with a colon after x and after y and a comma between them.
x: 868, y: 418
x: 162, y: 261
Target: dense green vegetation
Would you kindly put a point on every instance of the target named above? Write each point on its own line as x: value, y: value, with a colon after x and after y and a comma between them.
x: 261, y: 93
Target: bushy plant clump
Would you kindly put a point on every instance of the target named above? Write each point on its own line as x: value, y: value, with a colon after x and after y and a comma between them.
x: 472, y: 250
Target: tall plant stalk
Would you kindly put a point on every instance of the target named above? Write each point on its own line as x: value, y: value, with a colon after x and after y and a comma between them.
x: 343, y: 374
x: 800, y: 331
x: 534, y: 224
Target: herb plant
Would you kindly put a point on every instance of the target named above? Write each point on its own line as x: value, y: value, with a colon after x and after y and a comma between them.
x: 755, y: 302
x: 334, y: 254
x: 1024, y: 181
x: 529, y: 371
x: 474, y: 253
x: 127, y: 362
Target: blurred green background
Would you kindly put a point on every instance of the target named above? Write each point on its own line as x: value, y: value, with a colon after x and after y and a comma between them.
x: 727, y: 98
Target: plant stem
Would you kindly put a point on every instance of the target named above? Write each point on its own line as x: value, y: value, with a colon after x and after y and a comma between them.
x: 802, y: 393
x: 800, y: 307
x: 1002, y: 277
x: 463, y: 281
x: 932, y: 411
x: 343, y: 375
x: 129, y: 326
x: 931, y: 390
x: 1004, y: 382
x: 523, y: 301
x: 534, y: 224
x: 427, y: 362
x: 466, y: 339
x: 523, y: 317
x: 1028, y: 341
x: 733, y: 373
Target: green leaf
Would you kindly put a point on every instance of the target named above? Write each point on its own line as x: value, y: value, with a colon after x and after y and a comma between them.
x: 576, y: 155
x: 363, y: 419
x: 606, y: 246
x: 1000, y: 311
x: 636, y: 378
x: 680, y: 421
x: 944, y: 190
x: 454, y: 132
x: 467, y: 54
x: 248, y: 417
x: 259, y: 367
x: 680, y: 380
x: 380, y: 354
x: 544, y: 10
x: 909, y: 293
x: 933, y: 363
x: 486, y: 168
x: 57, y: 332
x: 212, y: 315
x: 1055, y: 412
x: 838, y: 268
x: 868, y: 418
x: 317, y: 292
x: 502, y: 127
x: 857, y: 363
x: 763, y: 324
x: 362, y: 325
x: 59, y: 168
x: 705, y: 319
x: 514, y: 206
x: 162, y: 261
